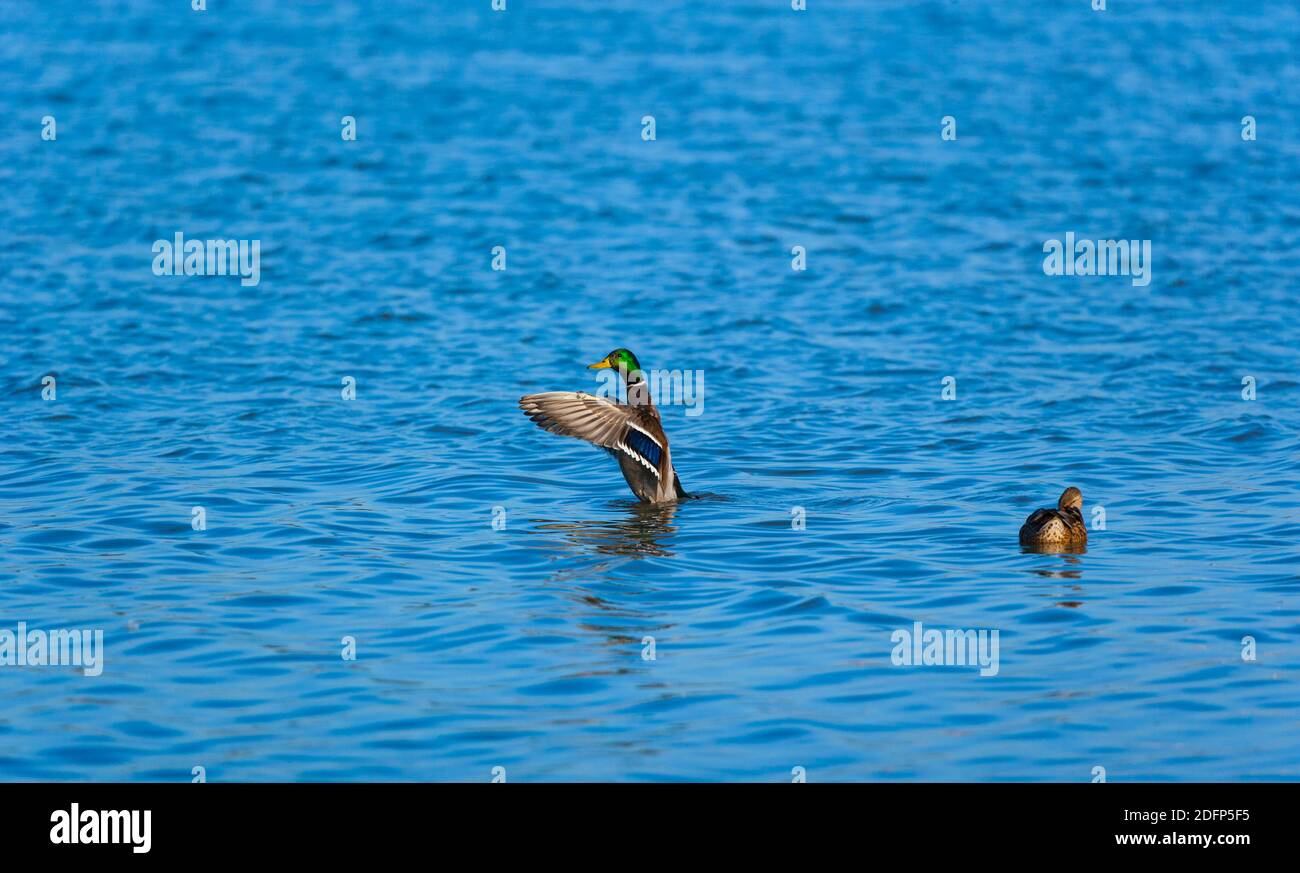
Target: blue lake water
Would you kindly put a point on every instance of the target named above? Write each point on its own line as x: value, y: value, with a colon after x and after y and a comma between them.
x: 523, y: 647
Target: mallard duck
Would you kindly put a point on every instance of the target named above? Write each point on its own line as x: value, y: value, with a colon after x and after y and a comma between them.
x: 1060, y: 526
x: 629, y: 431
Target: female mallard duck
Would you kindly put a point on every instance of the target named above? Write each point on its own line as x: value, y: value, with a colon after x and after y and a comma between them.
x: 1060, y: 526
x: 629, y: 431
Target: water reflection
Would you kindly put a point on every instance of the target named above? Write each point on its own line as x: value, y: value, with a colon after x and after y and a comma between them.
x: 1054, y: 549
x: 643, y: 530
x: 1070, y: 559
x: 1074, y: 567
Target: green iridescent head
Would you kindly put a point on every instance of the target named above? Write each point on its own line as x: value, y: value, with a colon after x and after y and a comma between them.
x: 623, y: 361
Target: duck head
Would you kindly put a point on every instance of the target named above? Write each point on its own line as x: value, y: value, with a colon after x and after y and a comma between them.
x: 1071, y: 498
x: 623, y: 361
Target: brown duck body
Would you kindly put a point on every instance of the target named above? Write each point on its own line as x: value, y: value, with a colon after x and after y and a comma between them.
x: 630, y: 431
x: 1061, y: 526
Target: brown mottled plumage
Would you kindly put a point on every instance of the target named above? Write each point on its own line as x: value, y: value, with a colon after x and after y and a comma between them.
x: 1062, y: 526
x: 629, y: 431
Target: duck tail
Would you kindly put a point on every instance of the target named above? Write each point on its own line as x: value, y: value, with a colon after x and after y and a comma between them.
x: 677, y: 486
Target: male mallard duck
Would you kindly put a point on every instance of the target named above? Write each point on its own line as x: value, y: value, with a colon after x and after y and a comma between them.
x: 629, y: 431
x: 1060, y: 526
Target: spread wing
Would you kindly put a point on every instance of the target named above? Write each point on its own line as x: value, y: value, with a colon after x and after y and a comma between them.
x: 621, y: 429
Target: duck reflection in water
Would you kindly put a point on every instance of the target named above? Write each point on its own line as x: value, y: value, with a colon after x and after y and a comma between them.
x: 643, y: 530
x: 1073, y: 570
x: 1069, y: 551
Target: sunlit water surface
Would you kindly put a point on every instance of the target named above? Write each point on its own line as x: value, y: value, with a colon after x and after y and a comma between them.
x: 523, y: 647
